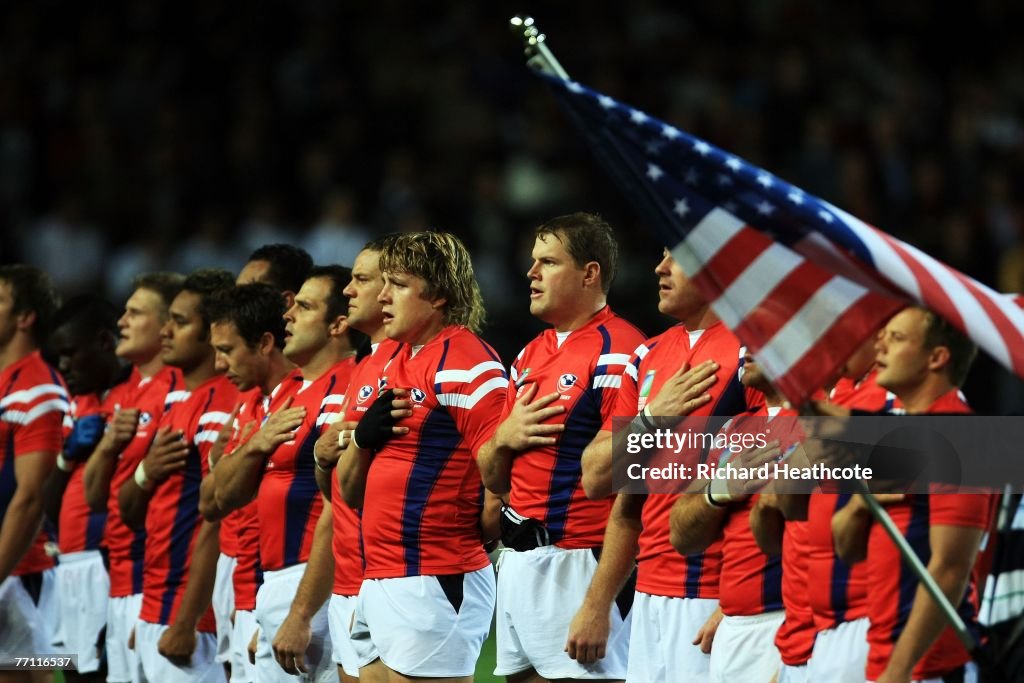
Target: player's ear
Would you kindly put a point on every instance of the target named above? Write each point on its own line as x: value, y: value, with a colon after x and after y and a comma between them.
x: 939, y: 357
x: 266, y: 344
x: 25, y: 320
x: 338, y: 326
x: 439, y: 303
x: 289, y: 299
x: 592, y: 274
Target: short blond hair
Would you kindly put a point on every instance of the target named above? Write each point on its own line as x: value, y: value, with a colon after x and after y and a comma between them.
x: 443, y: 262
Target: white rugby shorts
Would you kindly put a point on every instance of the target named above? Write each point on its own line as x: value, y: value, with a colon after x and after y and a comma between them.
x: 153, y: 666
x: 539, y: 592
x: 273, y: 602
x: 426, y: 626
x: 661, y: 645
x: 744, y: 648
x: 224, y: 604
x: 81, y: 593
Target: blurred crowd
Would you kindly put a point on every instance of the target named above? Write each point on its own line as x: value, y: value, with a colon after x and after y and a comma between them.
x: 147, y: 135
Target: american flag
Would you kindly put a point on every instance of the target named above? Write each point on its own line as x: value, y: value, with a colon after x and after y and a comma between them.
x: 801, y: 282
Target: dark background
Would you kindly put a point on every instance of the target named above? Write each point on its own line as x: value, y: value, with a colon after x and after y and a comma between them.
x: 148, y: 134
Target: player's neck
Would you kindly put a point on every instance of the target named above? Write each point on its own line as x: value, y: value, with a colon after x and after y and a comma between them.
x: 151, y: 366
x: 700, y: 319
x: 279, y: 369
x: 917, y: 400
x: 332, y: 353
x: 774, y: 400
x: 21, y: 345
x: 591, y: 306
x: 202, y: 372
x: 377, y: 334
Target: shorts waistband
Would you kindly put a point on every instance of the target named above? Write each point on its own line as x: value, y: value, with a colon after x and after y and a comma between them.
x: 756, y: 618
x: 80, y: 556
x: 278, y: 574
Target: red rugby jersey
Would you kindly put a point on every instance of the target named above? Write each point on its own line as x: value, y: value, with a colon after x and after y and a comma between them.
x: 423, y: 491
x: 586, y: 370
x: 750, y: 581
x: 660, y: 569
x: 240, y: 529
x: 893, y: 585
x: 33, y: 400
x: 795, y: 637
x: 289, y: 501
x: 172, y: 519
x: 79, y: 528
x: 863, y: 394
x: 127, y: 546
x: 837, y: 591
x: 345, y: 538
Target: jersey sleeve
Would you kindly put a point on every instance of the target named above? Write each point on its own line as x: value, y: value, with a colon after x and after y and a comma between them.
x: 628, y: 394
x: 475, y: 398
x: 960, y: 509
x: 39, y: 414
x: 610, y: 375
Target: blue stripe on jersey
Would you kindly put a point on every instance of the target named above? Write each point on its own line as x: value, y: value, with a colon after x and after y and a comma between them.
x: 771, y: 588
x: 171, y: 386
x: 732, y: 401
x: 8, y: 483
x: 917, y: 536
x: 138, y: 557
x: 94, y: 530
x: 438, y: 439
x: 840, y: 573
x: 694, y: 574
x: 581, y: 426
x: 440, y: 365
x: 488, y: 350
x: 186, y: 518
x: 606, y: 347
x: 303, y: 491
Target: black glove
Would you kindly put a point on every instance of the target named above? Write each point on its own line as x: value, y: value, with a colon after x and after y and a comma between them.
x: 522, y: 533
x: 374, y: 428
x: 84, y: 436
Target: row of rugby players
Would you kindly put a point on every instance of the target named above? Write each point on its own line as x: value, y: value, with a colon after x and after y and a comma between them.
x: 250, y: 491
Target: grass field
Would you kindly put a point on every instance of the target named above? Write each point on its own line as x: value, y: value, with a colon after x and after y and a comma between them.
x: 485, y: 665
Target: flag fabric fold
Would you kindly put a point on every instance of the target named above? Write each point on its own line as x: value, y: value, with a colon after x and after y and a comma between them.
x: 801, y: 282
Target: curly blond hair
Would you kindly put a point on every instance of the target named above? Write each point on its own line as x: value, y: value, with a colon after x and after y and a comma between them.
x: 443, y: 262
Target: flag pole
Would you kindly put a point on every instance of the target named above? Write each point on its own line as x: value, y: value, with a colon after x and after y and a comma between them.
x: 911, y: 558
x: 538, y: 56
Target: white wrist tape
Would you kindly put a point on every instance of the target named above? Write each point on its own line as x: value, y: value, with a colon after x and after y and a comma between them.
x: 141, y: 479
x: 718, y: 492
x: 63, y: 465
